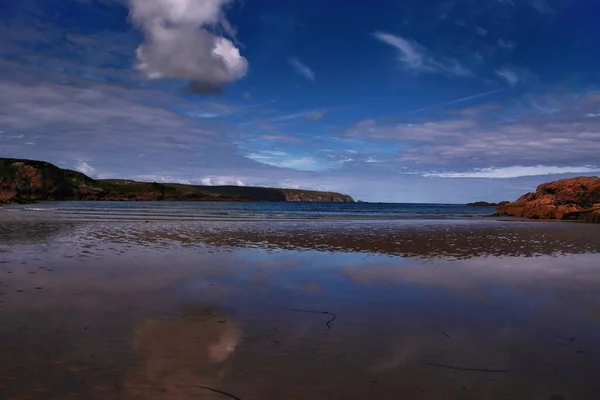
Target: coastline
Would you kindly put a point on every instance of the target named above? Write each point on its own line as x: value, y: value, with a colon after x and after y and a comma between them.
x: 23, y: 181
x: 421, y: 238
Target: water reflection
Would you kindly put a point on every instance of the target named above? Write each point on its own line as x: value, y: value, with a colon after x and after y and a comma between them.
x: 182, y: 358
x: 421, y: 239
x: 153, y: 314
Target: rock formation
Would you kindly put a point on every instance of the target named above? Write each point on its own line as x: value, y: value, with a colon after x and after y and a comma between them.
x: 568, y: 199
x: 486, y: 204
x: 23, y: 181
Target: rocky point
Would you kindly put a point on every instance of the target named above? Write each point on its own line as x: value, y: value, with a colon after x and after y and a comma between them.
x: 565, y: 199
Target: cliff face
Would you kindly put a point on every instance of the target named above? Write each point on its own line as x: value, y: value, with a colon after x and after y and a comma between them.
x: 23, y: 181
x: 570, y: 199
x: 309, y: 195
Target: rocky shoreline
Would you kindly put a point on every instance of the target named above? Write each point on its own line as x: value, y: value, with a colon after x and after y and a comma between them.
x: 566, y: 199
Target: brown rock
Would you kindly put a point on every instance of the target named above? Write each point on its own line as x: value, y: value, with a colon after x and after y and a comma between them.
x: 573, y: 199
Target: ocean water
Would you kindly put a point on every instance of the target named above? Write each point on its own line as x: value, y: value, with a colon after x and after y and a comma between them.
x: 226, y: 210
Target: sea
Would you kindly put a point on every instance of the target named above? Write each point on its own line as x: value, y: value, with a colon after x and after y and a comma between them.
x: 182, y: 211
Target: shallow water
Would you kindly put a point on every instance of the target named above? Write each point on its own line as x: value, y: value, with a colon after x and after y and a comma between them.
x: 299, y: 310
x: 193, y: 211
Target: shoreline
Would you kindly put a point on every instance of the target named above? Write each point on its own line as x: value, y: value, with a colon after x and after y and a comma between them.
x: 404, y: 238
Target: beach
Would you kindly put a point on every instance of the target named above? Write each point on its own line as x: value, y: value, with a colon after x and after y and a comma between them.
x: 197, y: 307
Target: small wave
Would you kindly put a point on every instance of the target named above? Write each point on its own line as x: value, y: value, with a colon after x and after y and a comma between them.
x: 39, y: 209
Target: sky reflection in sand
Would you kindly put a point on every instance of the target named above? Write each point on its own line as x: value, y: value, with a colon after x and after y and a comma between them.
x: 117, y: 312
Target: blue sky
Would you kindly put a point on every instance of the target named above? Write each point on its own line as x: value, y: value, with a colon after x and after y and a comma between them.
x: 429, y: 101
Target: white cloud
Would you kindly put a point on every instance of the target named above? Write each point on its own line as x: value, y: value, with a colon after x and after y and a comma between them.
x: 203, y: 114
x: 513, y: 76
x: 372, y: 160
x: 85, y: 168
x: 425, y: 132
x: 222, y: 181
x: 506, y: 44
x: 516, y: 172
x: 416, y: 58
x: 302, y: 69
x: 474, y: 138
x: 312, y: 115
x: 161, y: 179
x: 481, y: 31
x: 284, y: 160
x: 225, y: 180
x: 178, y: 43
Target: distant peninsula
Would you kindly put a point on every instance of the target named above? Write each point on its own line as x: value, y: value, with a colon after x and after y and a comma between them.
x: 486, y: 204
x: 26, y: 181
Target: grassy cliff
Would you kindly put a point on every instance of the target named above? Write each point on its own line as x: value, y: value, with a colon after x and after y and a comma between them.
x: 23, y: 181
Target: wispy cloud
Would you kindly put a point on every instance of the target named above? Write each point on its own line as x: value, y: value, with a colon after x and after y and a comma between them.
x: 312, y: 115
x: 315, y: 115
x: 481, y: 31
x: 513, y: 76
x: 516, y: 172
x: 283, y: 159
x: 278, y: 138
x: 472, y: 139
x: 417, y: 58
x: 506, y: 44
x: 459, y: 100
x: 302, y: 69
x: 542, y: 7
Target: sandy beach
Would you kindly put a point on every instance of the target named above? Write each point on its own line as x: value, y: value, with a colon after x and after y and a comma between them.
x: 295, y: 310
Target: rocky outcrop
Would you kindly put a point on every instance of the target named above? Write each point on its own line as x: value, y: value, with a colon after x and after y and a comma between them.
x: 313, y: 196
x: 486, y: 204
x: 23, y: 181
x: 567, y: 199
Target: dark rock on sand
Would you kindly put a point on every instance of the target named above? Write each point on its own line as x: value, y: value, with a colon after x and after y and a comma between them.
x: 25, y: 181
x: 567, y: 199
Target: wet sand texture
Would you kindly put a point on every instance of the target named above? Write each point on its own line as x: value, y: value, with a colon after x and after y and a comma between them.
x: 289, y: 310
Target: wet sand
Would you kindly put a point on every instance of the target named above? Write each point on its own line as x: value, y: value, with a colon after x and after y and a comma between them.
x: 299, y: 310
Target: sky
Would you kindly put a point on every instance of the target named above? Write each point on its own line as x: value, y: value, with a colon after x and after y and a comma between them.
x: 394, y: 101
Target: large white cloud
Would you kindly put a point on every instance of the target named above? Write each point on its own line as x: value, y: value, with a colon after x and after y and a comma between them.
x: 181, y: 42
